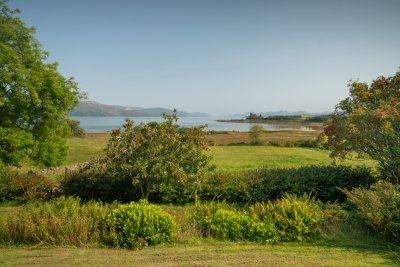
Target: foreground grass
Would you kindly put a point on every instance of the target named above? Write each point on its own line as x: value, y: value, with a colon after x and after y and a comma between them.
x: 228, y: 158
x: 206, y: 254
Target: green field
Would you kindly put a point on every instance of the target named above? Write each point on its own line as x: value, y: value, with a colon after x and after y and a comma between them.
x: 227, y: 158
x: 234, y: 158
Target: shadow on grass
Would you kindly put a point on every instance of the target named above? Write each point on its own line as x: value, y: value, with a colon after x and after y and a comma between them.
x: 356, y: 236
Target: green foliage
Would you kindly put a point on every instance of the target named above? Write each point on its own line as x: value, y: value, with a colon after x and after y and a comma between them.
x: 380, y: 207
x: 17, y: 186
x: 294, y: 218
x: 15, y: 146
x: 76, y: 129
x: 34, y: 97
x: 233, y: 187
x: 94, y: 183
x: 138, y: 225
x: 322, y: 181
x: 236, y: 225
x: 62, y: 221
x: 272, y: 183
x: 205, y: 211
x: 160, y: 158
x: 368, y: 122
x: 255, y: 134
x: 310, y: 143
x: 287, y: 219
x: 317, y: 119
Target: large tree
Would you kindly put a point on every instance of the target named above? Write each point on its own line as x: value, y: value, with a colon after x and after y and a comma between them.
x: 34, y: 97
x: 368, y: 123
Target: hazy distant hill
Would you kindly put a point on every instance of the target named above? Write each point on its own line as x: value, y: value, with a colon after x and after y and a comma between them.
x: 281, y: 113
x: 93, y: 108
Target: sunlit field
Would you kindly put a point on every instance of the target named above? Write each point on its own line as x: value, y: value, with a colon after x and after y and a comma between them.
x: 228, y: 158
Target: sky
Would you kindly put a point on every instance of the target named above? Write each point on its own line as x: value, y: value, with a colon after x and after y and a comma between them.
x: 218, y: 56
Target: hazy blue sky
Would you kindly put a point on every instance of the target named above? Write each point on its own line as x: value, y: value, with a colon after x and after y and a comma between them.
x: 218, y: 56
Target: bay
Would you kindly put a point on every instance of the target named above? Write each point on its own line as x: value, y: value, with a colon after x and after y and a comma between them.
x: 106, y: 124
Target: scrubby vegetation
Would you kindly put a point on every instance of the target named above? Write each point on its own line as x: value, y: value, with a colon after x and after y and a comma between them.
x: 379, y: 206
x: 62, y: 221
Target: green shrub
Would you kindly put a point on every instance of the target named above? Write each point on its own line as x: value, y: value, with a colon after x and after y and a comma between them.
x: 95, y: 184
x: 235, y: 225
x: 62, y: 221
x: 203, y: 212
x: 323, y: 181
x: 295, y: 218
x: 226, y: 186
x: 267, y: 184
x: 8, y: 191
x: 17, y: 186
x: 137, y: 225
x: 287, y: 219
x: 379, y: 206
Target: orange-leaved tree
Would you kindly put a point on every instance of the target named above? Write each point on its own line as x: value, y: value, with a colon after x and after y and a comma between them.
x: 368, y: 123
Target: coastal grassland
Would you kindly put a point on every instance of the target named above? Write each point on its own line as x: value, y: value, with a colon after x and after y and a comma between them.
x: 234, y: 158
x: 230, y: 158
x: 208, y: 253
x: 82, y: 149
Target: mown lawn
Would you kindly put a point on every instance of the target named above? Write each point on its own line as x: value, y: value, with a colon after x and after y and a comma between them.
x: 206, y: 254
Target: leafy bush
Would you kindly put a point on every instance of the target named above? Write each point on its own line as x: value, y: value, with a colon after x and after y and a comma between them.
x: 288, y: 219
x: 236, y: 187
x: 323, y: 181
x: 96, y: 184
x: 158, y: 154
x: 294, y: 218
x: 236, y: 225
x: 137, y: 225
x: 17, y: 186
x: 62, y: 221
x: 204, y: 211
x: 267, y: 184
x: 380, y: 207
x: 8, y: 191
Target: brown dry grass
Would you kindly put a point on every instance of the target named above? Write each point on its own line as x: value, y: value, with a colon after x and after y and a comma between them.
x: 223, y: 138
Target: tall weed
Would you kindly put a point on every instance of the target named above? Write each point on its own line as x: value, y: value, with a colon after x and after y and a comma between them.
x: 62, y: 221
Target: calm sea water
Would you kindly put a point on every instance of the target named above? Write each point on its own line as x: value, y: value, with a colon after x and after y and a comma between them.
x: 104, y: 124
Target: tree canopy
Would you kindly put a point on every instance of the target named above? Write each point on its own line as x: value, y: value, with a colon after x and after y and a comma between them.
x: 158, y: 157
x: 34, y: 97
x: 368, y: 123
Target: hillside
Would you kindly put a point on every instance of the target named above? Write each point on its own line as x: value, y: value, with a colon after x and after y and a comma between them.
x: 93, y: 108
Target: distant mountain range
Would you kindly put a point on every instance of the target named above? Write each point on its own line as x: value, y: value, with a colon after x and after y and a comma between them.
x: 281, y: 113
x: 93, y: 108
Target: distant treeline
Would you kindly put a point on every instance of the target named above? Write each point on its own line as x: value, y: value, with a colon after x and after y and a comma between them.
x: 320, y: 118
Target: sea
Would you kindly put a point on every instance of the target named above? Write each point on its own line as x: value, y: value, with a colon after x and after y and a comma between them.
x: 106, y: 124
